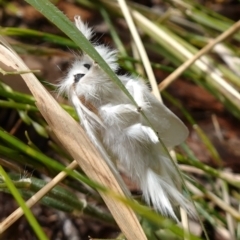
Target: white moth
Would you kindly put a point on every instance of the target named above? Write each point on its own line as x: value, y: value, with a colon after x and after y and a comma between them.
x: 113, y: 123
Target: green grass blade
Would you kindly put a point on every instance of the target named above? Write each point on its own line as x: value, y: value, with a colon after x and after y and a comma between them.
x: 31, y: 219
x: 53, y: 14
x: 29, y: 33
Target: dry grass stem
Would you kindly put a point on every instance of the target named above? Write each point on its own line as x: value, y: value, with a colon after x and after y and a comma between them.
x: 185, y: 223
x: 135, y: 53
x: 217, y: 128
x: 216, y: 200
x: 17, y: 73
x: 203, y: 51
x: 229, y: 218
x: 141, y: 49
x: 75, y: 140
x: 191, y: 169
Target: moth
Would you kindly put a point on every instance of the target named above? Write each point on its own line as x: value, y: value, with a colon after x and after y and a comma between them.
x: 120, y: 131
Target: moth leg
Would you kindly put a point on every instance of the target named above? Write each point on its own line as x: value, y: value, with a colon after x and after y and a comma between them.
x: 142, y: 133
x: 138, y: 89
x: 121, y: 114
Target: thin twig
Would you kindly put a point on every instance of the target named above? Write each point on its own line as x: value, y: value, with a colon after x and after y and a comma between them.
x: 12, y: 218
x: 218, y: 201
x: 141, y: 49
x: 229, y: 218
x: 185, y: 223
x: 217, y: 128
x: 167, y: 81
x: 18, y: 72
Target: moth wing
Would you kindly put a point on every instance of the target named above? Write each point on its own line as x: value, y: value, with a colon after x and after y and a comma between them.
x: 171, y: 130
x: 90, y: 121
x: 168, y: 126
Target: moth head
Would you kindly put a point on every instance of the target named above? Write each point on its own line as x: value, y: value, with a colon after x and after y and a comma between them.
x: 75, y: 74
x: 77, y: 77
x: 79, y: 70
x: 86, y: 78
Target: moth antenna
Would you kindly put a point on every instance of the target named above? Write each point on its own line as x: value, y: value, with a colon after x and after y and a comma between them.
x: 109, y: 55
x: 83, y: 27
